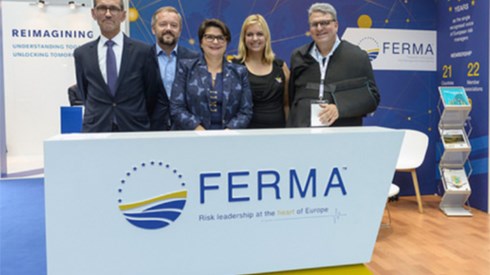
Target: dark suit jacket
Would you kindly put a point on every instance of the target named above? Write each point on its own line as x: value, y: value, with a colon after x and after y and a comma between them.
x: 190, y: 96
x: 161, y: 119
x: 136, y: 92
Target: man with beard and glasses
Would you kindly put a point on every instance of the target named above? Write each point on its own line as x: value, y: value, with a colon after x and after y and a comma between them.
x: 332, y: 81
x: 166, y: 24
x: 116, y: 75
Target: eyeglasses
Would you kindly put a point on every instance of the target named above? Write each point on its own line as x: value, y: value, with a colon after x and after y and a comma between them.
x: 114, y: 10
x: 210, y: 38
x: 323, y: 23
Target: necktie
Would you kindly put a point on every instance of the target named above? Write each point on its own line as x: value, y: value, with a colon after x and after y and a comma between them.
x: 111, y: 67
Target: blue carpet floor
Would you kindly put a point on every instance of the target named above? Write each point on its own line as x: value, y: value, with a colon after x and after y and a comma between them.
x: 22, y: 227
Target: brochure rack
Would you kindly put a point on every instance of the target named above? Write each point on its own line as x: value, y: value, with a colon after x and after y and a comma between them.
x: 457, y: 148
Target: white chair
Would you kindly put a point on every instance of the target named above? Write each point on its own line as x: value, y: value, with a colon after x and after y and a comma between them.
x: 394, y: 190
x: 392, y: 195
x: 412, y: 154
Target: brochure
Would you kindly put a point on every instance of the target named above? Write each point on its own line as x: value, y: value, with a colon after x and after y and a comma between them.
x: 454, y: 138
x: 454, y: 96
x: 454, y: 178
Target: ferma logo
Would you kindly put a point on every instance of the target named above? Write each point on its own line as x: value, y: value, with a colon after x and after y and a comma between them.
x: 371, y: 46
x: 158, y: 206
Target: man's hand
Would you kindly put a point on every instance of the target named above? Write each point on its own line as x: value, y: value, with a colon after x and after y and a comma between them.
x: 329, y: 114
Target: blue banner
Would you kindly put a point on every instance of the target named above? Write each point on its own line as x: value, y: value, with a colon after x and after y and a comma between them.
x: 463, y: 61
x: 408, y: 98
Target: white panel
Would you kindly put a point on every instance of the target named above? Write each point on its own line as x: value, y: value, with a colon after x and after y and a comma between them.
x: 229, y: 225
x: 38, y: 68
x: 395, y: 49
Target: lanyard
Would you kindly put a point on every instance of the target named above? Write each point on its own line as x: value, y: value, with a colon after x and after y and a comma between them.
x: 323, y: 71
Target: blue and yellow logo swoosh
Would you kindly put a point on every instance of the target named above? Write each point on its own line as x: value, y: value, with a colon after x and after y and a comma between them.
x: 373, y: 53
x: 371, y: 46
x: 157, y: 212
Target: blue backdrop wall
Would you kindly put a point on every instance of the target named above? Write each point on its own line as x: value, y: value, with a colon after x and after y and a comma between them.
x: 463, y: 43
x: 408, y: 98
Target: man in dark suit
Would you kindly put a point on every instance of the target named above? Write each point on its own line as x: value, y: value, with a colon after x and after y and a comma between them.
x: 116, y: 75
x: 166, y: 25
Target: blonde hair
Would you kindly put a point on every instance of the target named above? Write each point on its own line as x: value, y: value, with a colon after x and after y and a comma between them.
x: 268, y: 55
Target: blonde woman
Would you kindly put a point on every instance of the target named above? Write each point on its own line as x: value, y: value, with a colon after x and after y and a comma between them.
x: 268, y: 75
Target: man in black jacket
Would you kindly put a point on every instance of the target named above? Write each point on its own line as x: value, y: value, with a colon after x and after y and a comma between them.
x: 166, y: 24
x: 336, y: 72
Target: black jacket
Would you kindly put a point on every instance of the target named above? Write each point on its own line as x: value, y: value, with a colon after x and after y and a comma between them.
x: 349, y: 71
x: 134, y: 99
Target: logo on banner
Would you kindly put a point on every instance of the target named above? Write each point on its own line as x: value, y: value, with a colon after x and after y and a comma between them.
x: 371, y: 46
x: 393, y: 49
x: 151, y: 195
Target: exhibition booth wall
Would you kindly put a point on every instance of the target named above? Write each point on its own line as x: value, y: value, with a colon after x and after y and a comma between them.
x: 413, y: 53
x: 418, y: 46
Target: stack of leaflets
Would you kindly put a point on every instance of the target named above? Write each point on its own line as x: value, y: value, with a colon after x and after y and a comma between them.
x: 454, y: 96
x: 454, y: 138
x: 454, y: 177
